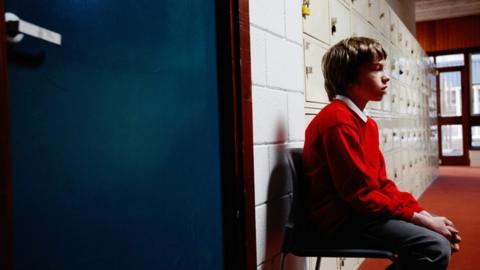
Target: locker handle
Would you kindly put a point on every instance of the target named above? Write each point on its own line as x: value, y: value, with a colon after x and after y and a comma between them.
x: 309, y: 70
x: 334, y: 27
x: 16, y: 28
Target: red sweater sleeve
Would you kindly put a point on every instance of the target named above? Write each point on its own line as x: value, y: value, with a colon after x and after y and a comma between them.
x: 388, y: 187
x: 355, y: 181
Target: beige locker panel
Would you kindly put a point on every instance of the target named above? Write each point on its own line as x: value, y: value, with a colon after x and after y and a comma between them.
x: 373, y: 14
x: 317, y: 24
x: 389, y: 165
x: 402, y: 101
x: 395, y: 135
x: 387, y: 140
x: 314, y: 81
x: 359, y: 25
x: 308, y: 119
x: 339, y: 20
x: 393, y: 27
x: 361, y: 6
x: 327, y: 264
x: 348, y: 263
x: 397, y: 164
x: 384, y: 18
x: 394, y: 61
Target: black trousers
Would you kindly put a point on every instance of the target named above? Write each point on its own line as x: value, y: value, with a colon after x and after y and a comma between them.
x: 417, y: 247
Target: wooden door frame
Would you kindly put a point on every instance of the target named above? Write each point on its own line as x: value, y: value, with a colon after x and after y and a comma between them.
x: 236, y: 124
x: 236, y: 139
x: 455, y: 120
x: 6, y: 207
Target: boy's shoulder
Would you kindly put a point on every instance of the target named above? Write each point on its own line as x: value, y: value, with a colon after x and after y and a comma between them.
x: 336, y: 113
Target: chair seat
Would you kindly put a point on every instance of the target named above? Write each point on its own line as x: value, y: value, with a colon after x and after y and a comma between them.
x: 347, y: 253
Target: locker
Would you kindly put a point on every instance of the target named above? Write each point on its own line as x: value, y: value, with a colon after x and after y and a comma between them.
x: 373, y: 14
x: 395, y: 135
x: 388, y: 139
x: 384, y: 18
x: 393, y: 27
x: 360, y: 6
x: 397, y: 164
x: 348, y: 263
x: 389, y: 165
x: 314, y: 81
x: 308, y: 119
x: 317, y: 24
x: 359, y: 25
x: 339, y: 20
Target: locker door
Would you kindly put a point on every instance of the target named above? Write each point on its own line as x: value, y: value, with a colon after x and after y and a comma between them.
x: 361, y: 6
x: 115, y: 137
x: 314, y: 81
x: 340, y: 21
x: 384, y: 18
x: 317, y: 24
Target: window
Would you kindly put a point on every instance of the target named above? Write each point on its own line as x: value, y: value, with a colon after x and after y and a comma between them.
x: 452, y: 140
x: 475, y: 83
x: 476, y: 136
x: 450, y: 94
x: 451, y: 60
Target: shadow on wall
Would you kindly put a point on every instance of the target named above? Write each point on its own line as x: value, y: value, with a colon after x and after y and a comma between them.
x: 278, y: 206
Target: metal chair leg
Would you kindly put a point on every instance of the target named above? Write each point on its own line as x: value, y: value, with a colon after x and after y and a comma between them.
x: 317, y: 264
x: 282, y: 264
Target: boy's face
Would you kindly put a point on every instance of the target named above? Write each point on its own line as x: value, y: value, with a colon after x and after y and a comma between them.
x: 372, y: 81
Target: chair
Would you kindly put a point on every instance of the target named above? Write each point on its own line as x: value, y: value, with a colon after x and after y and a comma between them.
x: 293, y: 241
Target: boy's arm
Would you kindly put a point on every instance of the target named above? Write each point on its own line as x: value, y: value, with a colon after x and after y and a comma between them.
x: 390, y: 188
x: 354, y: 180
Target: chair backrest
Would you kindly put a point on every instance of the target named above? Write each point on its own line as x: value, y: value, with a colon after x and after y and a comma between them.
x: 298, y: 210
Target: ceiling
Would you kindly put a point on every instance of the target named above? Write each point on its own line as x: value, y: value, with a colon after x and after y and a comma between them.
x: 426, y: 10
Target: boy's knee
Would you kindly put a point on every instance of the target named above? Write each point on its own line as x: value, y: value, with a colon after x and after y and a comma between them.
x: 441, y: 250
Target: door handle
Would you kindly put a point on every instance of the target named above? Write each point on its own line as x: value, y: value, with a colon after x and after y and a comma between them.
x: 16, y: 28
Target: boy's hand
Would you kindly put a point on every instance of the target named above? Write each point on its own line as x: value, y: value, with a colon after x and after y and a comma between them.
x: 440, y: 225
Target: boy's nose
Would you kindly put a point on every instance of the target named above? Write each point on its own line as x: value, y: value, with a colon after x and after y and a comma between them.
x: 385, y: 78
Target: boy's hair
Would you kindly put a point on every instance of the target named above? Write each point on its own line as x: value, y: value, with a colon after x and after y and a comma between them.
x: 342, y: 62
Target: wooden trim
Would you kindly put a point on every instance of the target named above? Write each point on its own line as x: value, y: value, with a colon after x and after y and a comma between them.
x: 247, y: 134
x: 452, y: 120
x: 456, y: 120
x: 233, y: 43
x: 6, y: 207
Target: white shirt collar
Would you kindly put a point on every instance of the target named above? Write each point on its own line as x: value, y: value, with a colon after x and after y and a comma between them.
x: 353, y: 107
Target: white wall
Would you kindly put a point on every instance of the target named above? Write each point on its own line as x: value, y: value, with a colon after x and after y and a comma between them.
x: 278, y: 116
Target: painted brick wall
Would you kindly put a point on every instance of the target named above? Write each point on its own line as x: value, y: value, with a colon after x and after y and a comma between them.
x: 278, y: 118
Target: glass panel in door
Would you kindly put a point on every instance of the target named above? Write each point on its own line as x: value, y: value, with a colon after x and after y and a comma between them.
x: 450, y: 94
x: 452, y: 140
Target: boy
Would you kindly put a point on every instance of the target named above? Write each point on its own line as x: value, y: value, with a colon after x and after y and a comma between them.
x: 351, y: 201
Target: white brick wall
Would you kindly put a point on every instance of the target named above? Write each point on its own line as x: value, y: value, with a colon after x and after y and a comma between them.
x: 278, y: 118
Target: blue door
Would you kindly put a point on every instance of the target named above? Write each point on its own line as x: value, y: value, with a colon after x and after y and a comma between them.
x: 115, y: 136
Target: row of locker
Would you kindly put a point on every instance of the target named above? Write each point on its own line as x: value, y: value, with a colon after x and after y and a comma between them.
x: 333, y: 20
x: 404, y: 165
x: 394, y: 134
x: 412, y: 91
x: 402, y: 100
x: 407, y: 64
